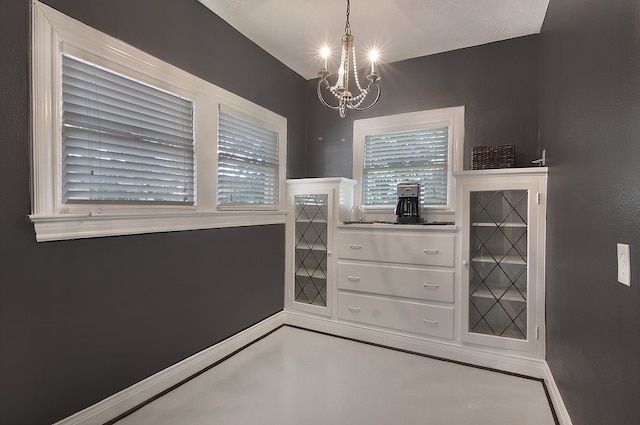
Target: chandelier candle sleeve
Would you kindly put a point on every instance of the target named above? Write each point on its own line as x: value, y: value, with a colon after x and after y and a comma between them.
x: 343, y: 73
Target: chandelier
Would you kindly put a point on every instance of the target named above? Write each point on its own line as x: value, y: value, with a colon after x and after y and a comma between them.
x: 340, y: 89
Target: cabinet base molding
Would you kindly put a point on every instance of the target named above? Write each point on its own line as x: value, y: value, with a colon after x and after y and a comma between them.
x: 148, y: 389
x: 431, y: 347
x: 505, y: 363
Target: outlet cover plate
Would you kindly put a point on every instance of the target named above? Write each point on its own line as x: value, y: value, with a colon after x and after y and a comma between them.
x: 624, y: 264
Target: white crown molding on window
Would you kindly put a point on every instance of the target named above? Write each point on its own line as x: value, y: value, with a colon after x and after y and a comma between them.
x: 54, y: 33
x: 45, y: 42
x: 66, y: 226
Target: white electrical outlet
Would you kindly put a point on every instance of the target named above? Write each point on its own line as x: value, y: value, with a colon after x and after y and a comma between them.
x: 624, y: 264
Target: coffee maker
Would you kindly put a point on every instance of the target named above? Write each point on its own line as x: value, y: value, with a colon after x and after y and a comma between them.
x: 408, y: 206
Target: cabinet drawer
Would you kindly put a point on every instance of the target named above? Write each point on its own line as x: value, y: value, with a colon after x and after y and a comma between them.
x: 408, y: 282
x: 400, y: 315
x: 433, y: 250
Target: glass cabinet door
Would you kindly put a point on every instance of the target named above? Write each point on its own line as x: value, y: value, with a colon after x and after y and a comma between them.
x: 498, y: 263
x: 311, y: 229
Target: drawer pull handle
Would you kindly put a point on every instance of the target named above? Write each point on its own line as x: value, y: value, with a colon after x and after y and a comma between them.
x: 430, y: 322
x: 354, y: 309
x: 430, y: 251
x: 431, y: 285
x: 353, y: 278
x: 355, y: 246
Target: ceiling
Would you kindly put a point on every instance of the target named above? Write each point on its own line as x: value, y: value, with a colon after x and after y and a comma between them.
x: 293, y: 31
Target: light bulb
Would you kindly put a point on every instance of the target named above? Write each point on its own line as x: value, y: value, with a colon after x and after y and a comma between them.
x: 325, y: 52
x: 373, y: 57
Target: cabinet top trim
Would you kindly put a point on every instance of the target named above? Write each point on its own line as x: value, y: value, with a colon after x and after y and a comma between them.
x: 316, y: 180
x: 526, y: 171
x: 399, y: 227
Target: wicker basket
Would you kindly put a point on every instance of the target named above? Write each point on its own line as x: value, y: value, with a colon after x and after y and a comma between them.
x: 497, y: 156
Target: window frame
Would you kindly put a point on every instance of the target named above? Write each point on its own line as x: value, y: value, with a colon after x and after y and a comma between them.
x: 53, y: 34
x: 452, y: 117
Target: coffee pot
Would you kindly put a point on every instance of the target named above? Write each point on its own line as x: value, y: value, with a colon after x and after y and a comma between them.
x: 408, y: 206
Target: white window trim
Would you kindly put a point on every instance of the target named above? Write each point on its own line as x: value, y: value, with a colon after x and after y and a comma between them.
x: 452, y: 117
x: 53, y: 33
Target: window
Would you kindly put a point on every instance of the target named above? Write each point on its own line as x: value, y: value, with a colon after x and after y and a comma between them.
x: 406, y: 156
x: 248, y: 162
x: 124, y: 143
x: 424, y: 147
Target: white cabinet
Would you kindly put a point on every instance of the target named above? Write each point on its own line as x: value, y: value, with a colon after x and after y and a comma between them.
x: 501, y: 214
x: 399, y: 278
x: 315, y: 207
x: 467, y: 289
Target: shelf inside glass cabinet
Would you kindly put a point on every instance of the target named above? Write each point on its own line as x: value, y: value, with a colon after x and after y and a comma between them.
x: 505, y: 259
x: 511, y: 294
x: 521, y: 225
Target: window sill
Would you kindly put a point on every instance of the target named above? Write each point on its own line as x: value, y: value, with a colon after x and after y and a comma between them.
x: 73, y: 226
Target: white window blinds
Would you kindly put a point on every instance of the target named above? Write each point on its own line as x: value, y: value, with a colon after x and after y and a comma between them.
x: 407, y: 156
x: 122, y: 140
x: 248, y: 170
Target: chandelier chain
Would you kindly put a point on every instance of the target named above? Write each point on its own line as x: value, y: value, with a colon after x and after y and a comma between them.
x: 347, y: 25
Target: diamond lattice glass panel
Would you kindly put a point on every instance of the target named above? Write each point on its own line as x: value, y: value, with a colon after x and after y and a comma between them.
x: 498, y: 273
x: 311, y: 249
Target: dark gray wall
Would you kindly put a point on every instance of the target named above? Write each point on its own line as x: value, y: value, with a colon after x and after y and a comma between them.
x: 590, y: 126
x: 81, y: 320
x: 497, y: 83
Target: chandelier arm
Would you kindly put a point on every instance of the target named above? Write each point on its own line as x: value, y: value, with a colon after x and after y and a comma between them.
x: 366, y: 108
x: 321, y: 97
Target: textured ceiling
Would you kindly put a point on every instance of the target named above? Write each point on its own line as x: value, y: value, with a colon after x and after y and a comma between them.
x: 293, y: 31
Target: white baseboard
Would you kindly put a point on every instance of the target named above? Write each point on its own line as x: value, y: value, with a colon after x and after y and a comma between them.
x: 556, y: 398
x: 142, y: 391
